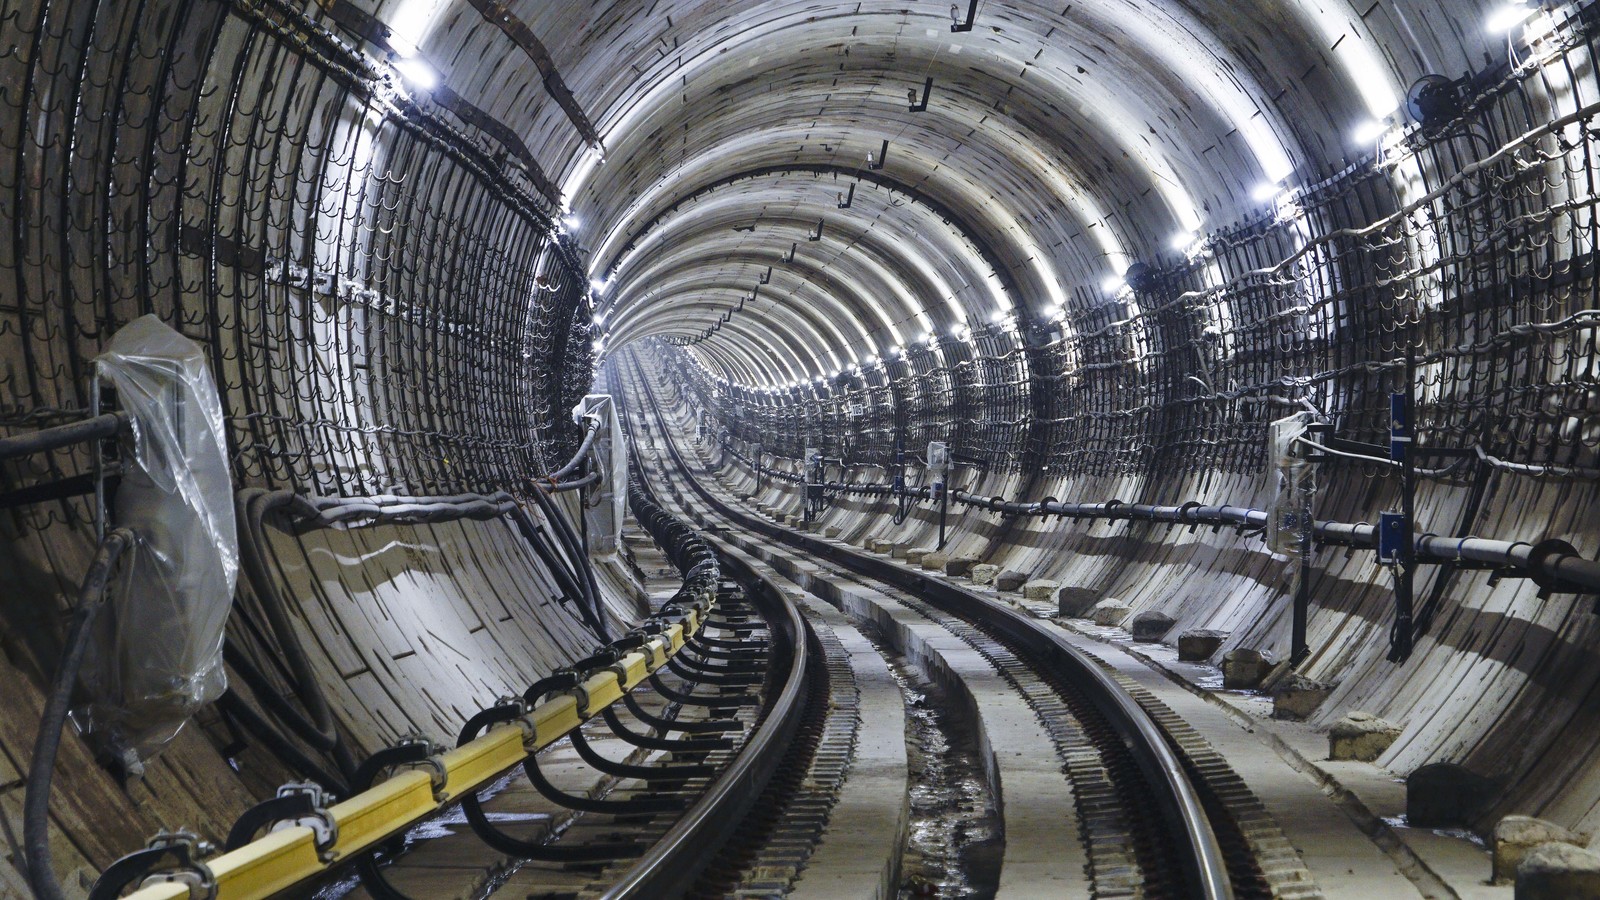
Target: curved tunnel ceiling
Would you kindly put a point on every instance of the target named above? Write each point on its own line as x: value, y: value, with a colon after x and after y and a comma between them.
x: 1058, y: 146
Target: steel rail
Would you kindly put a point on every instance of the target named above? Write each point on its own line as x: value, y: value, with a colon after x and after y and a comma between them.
x: 674, y: 862
x: 1206, y: 869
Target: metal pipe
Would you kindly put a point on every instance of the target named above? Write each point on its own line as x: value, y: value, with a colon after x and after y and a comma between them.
x: 80, y: 432
x: 1556, y: 564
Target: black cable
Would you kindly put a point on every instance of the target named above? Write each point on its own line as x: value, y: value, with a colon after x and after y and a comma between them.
x: 41, y: 769
x: 254, y: 506
x: 279, y: 746
x: 580, y: 559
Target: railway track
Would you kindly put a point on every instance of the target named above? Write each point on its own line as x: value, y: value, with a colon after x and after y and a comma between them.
x: 1153, y: 810
x: 825, y: 724
x: 708, y: 699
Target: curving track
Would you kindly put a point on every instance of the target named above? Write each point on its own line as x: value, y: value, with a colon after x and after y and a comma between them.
x: 1152, y: 810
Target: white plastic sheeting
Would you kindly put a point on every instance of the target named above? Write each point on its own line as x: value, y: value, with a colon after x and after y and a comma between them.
x: 609, y: 503
x: 158, y: 657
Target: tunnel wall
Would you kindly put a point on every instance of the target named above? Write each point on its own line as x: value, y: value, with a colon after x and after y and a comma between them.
x: 388, y: 307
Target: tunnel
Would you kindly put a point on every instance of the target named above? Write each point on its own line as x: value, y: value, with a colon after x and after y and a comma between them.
x: 815, y: 448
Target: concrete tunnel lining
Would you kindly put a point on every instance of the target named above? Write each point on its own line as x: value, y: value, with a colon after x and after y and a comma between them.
x: 394, y: 304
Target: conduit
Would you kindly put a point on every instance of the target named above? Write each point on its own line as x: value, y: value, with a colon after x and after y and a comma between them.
x: 1552, y: 564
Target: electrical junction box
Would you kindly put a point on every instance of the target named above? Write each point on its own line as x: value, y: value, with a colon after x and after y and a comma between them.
x: 938, y: 459
x: 1284, y: 528
x: 1392, y: 537
x: 1399, y: 427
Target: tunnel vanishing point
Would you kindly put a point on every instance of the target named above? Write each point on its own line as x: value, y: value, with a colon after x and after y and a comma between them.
x: 766, y: 448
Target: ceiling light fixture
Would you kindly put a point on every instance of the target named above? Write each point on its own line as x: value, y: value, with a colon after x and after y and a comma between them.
x: 1508, y: 17
x: 1267, y: 191
x: 1369, y: 131
x: 417, y: 73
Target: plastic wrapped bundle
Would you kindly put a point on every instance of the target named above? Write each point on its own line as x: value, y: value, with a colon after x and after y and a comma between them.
x: 158, y: 656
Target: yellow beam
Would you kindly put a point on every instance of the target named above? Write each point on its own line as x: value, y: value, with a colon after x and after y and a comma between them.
x: 288, y: 857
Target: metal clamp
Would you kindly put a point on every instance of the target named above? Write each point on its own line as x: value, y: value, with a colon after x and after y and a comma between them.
x: 184, y: 847
x: 297, y: 804
x: 413, y: 752
x: 577, y: 692
x: 513, y: 709
x: 319, y: 820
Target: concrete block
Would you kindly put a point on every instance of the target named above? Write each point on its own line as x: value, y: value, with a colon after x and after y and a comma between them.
x: 1040, y: 589
x: 1445, y: 795
x: 1559, y: 871
x: 1515, y: 837
x: 1149, y: 627
x: 1297, y: 697
x: 1243, y: 669
x: 899, y: 549
x: 1010, y: 580
x: 936, y: 561
x: 957, y: 565
x: 915, y: 554
x: 1361, y: 736
x: 983, y: 573
x: 831, y: 531
x: 1200, y: 644
x: 1110, y: 612
x: 1075, y: 602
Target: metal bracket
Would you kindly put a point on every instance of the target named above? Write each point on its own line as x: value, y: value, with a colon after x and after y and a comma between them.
x: 883, y: 156
x: 184, y: 847
x: 957, y: 26
x: 413, y: 752
x: 921, y: 105
x: 296, y: 804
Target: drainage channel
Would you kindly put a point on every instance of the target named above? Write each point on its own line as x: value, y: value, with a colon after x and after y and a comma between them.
x: 955, y: 834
